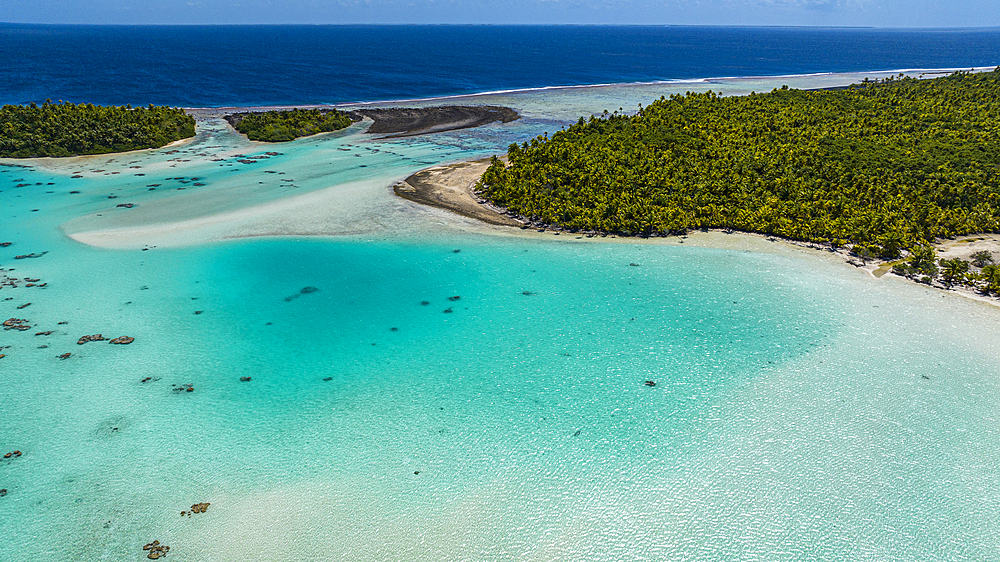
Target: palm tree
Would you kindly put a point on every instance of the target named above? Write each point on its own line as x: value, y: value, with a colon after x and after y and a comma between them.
x: 982, y: 258
x: 953, y: 269
x: 922, y: 258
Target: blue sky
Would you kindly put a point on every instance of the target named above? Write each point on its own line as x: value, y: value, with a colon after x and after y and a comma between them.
x: 877, y: 13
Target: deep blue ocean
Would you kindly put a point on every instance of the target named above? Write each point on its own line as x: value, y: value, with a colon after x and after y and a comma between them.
x: 206, y: 66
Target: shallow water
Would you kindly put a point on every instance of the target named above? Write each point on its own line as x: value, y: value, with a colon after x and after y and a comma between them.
x: 802, y: 410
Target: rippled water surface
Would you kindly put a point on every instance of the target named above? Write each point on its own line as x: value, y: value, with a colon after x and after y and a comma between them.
x: 423, y: 388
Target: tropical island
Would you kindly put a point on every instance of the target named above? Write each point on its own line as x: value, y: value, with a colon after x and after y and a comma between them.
x: 282, y: 125
x: 68, y: 129
x: 880, y: 167
x: 288, y: 124
x: 883, y: 169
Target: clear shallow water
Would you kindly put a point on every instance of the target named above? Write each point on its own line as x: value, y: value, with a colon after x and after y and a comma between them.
x: 791, y: 417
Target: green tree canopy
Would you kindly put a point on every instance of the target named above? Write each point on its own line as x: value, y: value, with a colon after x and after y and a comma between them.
x: 67, y: 129
x: 286, y: 125
x: 885, y: 166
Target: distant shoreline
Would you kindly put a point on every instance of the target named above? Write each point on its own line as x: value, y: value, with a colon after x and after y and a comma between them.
x: 398, y: 122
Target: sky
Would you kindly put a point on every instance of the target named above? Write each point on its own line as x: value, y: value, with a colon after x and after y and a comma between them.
x: 865, y: 13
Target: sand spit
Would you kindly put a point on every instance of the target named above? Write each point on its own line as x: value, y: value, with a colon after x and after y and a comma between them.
x: 451, y: 187
x: 308, y: 214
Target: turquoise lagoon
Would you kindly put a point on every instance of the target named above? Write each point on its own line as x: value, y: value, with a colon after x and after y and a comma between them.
x: 803, y: 410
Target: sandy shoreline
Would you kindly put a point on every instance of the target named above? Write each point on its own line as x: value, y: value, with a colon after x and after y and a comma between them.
x: 450, y: 187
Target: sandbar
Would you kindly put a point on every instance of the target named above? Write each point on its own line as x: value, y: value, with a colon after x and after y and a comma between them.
x: 450, y: 187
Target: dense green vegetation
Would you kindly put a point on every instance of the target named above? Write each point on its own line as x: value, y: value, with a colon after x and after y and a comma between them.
x: 66, y: 129
x: 884, y: 166
x: 286, y: 125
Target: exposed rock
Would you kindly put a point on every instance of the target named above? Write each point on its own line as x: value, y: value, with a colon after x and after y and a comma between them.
x: 65, y: 355
x: 415, y: 121
x: 85, y: 339
x: 16, y: 324
x: 156, y: 550
x: 122, y: 340
x: 650, y: 383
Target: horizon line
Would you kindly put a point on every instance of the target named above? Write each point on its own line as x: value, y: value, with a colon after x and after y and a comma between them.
x: 443, y: 24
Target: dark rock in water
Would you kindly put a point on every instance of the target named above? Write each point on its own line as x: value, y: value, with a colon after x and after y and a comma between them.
x: 414, y: 121
x: 393, y: 329
x: 578, y: 432
x: 5, y: 244
x: 200, y: 507
x: 454, y: 298
x: 20, y: 324
x: 85, y: 339
x: 425, y: 303
x: 456, y: 251
x: 126, y: 205
x: 123, y: 340
x: 25, y: 305
x: 307, y: 290
x: 197, y: 312
x: 244, y: 379
x: 156, y: 550
x: 650, y: 383
x: 32, y: 255
x: 327, y: 379
x: 3, y: 492
x: 448, y: 310
x: 634, y: 264
x: 65, y: 355
x: 527, y: 293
